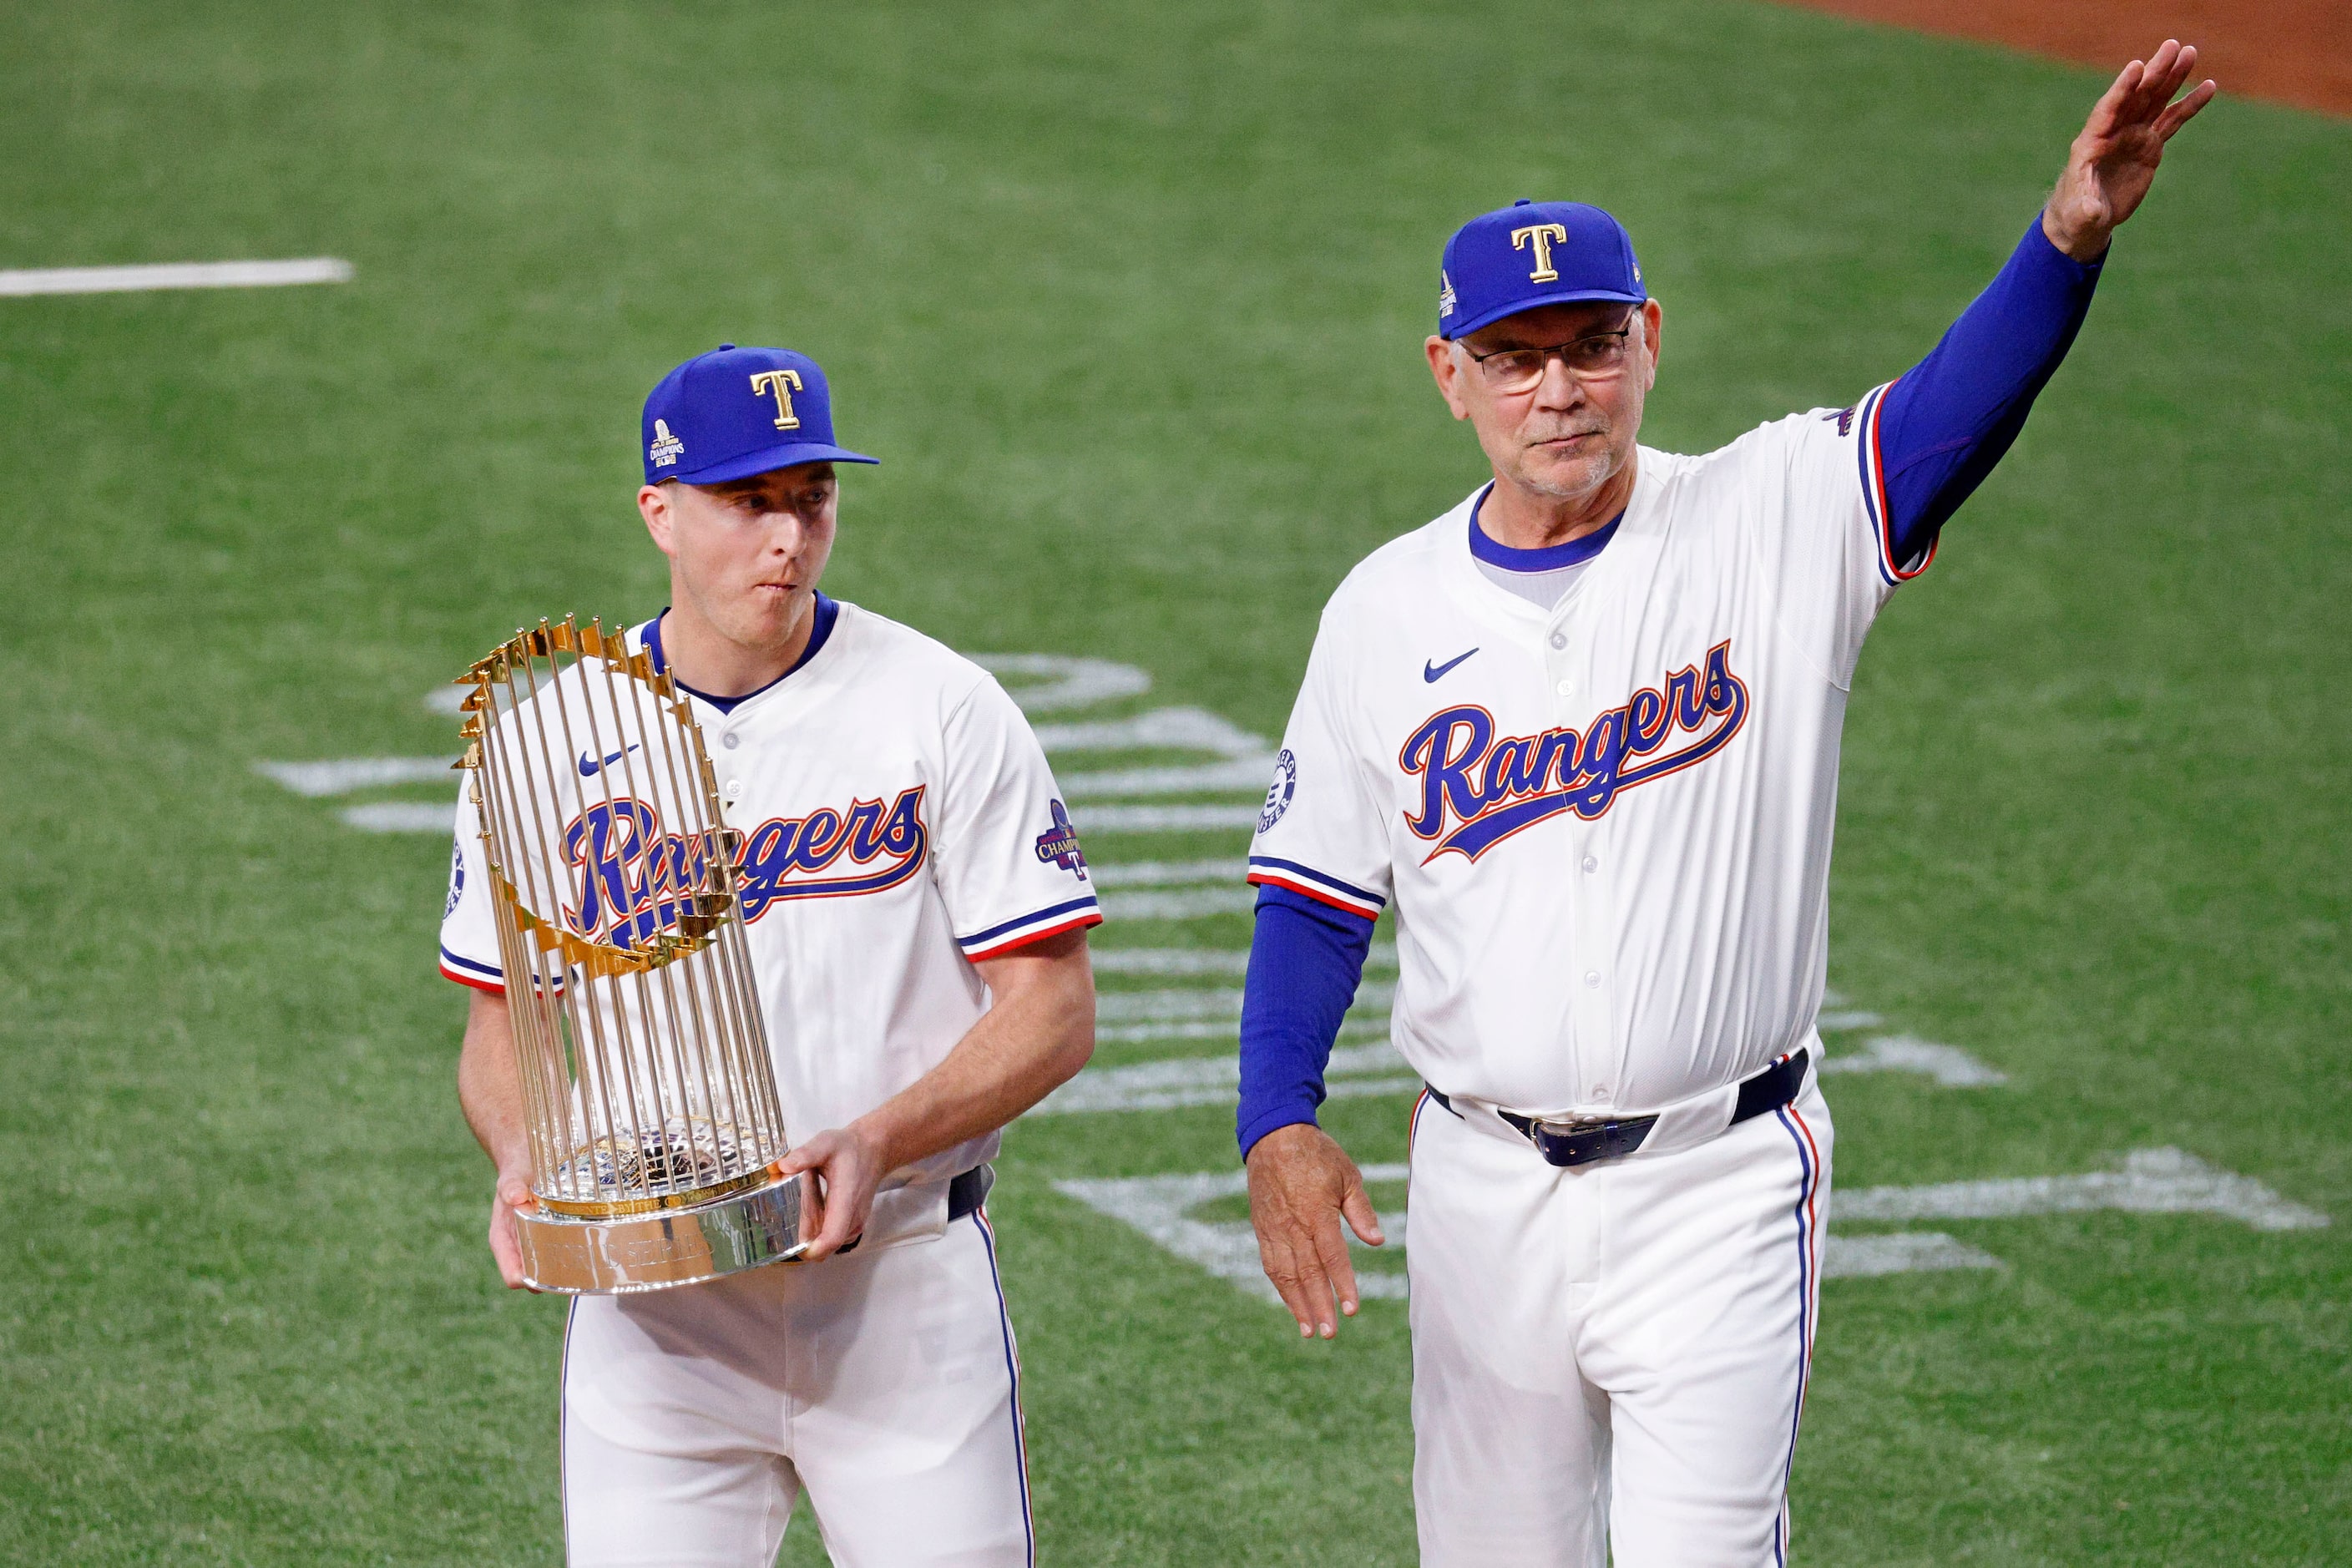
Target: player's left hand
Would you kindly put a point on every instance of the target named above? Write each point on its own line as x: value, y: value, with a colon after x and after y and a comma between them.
x: 2113, y: 161
x: 1301, y: 1185
x: 843, y: 1167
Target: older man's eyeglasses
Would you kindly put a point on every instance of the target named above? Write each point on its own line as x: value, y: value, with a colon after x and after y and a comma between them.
x: 1595, y: 356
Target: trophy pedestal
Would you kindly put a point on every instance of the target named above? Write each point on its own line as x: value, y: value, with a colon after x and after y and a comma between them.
x: 669, y: 1246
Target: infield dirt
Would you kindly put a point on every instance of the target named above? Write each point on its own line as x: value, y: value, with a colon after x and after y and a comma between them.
x: 2290, y: 51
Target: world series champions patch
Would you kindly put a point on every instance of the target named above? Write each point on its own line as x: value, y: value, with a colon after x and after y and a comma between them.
x: 1058, y: 844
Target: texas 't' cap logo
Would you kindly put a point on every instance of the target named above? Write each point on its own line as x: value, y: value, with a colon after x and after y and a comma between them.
x: 1541, y: 235
x: 780, y: 384
x: 667, y: 448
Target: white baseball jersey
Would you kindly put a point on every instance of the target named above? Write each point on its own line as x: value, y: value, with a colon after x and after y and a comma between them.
x: 1605, y: 827
x: 899, y: 822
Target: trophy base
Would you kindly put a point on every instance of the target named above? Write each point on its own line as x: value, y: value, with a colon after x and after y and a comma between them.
x: 656, y: 1251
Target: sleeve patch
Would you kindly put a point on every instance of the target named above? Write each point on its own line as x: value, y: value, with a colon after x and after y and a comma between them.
x: 1279, y: 793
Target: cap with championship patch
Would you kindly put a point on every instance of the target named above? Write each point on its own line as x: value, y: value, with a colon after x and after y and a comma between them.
x: 733, y: 413
x: 1531, y: 254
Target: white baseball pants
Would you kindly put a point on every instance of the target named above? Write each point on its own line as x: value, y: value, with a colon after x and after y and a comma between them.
x: 884, y: 1382
x: 1613, y: 1355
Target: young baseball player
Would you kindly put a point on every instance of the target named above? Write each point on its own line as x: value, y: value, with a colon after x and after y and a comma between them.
x: 915, y: 905
x: 1583, y: 730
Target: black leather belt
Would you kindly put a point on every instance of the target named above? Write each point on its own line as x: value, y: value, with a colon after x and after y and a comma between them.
x: 969, y: 1191
x: 1606, y: 1139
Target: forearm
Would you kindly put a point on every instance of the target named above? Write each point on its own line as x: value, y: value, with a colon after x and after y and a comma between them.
x: 488, y: 1091
x: 1949, y: 419
x: 1038, y: 1031
x: 1305, y: 959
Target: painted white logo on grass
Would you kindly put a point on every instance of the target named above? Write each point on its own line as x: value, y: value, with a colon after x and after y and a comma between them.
x: 1040, y: 683
x: 1162, y: 1207
x: 1113, y: 801
x: 1201, y: 1015
x: 2152, y: 1181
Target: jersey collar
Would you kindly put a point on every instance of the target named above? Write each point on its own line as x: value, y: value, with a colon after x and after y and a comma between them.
x: 1522, y: 618
x: 1550, y: 558
x: 829, y: 612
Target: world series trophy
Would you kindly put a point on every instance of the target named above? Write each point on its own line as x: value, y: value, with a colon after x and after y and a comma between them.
x: 656, y: 1132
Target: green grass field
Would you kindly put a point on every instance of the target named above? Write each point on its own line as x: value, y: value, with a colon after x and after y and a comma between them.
x: 1130, y: 299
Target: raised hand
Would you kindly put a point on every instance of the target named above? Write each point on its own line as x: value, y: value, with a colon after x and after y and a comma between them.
x: 2113, y: 161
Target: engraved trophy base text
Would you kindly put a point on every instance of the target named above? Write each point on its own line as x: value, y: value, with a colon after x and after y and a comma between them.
x: 655, y: 1251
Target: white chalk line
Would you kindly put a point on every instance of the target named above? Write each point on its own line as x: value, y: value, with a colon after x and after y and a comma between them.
x: 2152, y: 1181
x: 173, y: 275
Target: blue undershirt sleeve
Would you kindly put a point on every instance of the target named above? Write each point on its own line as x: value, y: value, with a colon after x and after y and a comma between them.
x: 1952, y: 416
x: 1305, y: 961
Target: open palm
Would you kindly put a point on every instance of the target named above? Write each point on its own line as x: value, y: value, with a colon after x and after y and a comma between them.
x: 2114, y: 160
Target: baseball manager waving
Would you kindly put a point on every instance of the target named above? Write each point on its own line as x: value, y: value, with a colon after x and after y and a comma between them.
x: 1583, y: 730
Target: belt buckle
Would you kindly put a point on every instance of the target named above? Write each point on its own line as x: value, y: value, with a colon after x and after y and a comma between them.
x: 1568, y: 1127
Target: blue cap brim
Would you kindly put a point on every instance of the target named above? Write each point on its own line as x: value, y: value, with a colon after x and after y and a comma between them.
x: 1566, y: 296
x: 767, y: 459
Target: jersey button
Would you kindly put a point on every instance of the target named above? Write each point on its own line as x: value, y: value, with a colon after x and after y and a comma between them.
x: 1593, y: 980
x: 1590, y: 864
x: 1566, y: 689
x: 734, y: 789
x: 1560, y: 639
x: 1600, y: 1097
x: 730, y: 739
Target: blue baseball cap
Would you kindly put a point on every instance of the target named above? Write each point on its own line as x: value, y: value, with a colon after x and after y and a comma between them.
x: 733, y: 413
x: 1530, y: 254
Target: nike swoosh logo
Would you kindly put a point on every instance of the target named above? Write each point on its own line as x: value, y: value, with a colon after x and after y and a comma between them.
x: 1430, y: 672
x: 589, y: 769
